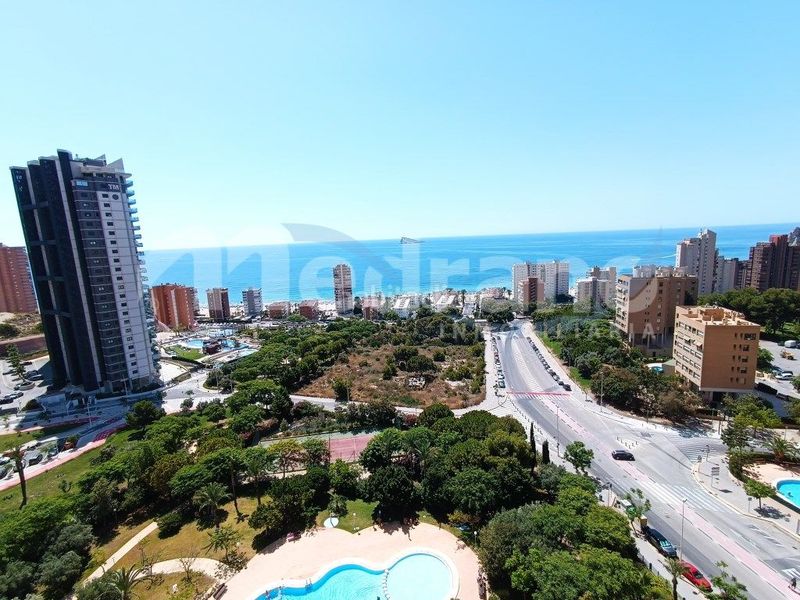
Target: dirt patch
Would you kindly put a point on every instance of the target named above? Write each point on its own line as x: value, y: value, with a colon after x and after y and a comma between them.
x: 365, y: 367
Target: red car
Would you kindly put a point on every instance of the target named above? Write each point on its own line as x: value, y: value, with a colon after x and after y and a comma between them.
x: 695, y: 577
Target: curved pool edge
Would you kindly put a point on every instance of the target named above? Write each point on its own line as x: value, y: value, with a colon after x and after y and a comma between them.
x: 367, y: 564
x: 781, y: 497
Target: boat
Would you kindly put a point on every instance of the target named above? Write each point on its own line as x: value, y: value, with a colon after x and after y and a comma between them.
x: 408, y: 240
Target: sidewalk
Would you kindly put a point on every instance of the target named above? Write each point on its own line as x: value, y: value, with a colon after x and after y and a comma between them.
x: 657, y: 563
x: 731, y: 491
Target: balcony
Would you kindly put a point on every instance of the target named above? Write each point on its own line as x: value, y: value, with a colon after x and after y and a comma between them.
x: 128, y: 183
x: 134, y: 218
x: 131, y: 201
x: 137, y: 236
x: 130, y: 192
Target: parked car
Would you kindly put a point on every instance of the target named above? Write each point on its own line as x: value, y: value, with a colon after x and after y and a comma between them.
x: 693, y: 575
x: 566, y: 386
x: 622, y: 455
x: 662, y: 544
x: 25, y: 385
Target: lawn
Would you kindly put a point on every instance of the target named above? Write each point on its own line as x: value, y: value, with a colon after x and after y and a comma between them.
x: 16, y: 438
x: 162, y: 588
x: 186, y: 353
x: 359, y: 516
x: 554, y: 345
x: 47, y: 484
x: 190, y: 540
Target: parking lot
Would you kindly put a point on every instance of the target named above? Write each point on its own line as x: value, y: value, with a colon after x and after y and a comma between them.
x: 790, y: 362
x: 9, y: 381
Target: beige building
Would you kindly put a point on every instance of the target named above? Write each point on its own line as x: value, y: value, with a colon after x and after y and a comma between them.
x: 715, y: 349
x: 343, y: 288
x: 309, y: 309
x: 645, y: 305
x: 597, y: 289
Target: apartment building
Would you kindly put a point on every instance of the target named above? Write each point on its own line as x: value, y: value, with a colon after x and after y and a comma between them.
x: 279, y: 310
x: 727, y: 274
x: 82, y: 234
x: 715, y: 350
x: 529, y: 293
x: 598, y: 289
x: 343, y: 289
x: 774, y: 264
x: 219, y: 306
x: 173, y: 305
x: 371, y: 308
x: 553, y: 276
x: 645, y: 305
x: 405, y: 306
x: 251, y: 302
x: 698, y: 256
x: 309, y: 309
x: 16, y: 286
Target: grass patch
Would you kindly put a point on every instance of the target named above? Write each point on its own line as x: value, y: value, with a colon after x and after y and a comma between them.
x: 162, y: 589
x: 191, y: 540
x: 16, y: 438
x: 553, y: 344
x: 358, y: 517
x: 582, y: 381
x: 47, y: 483
x: 186, y: 353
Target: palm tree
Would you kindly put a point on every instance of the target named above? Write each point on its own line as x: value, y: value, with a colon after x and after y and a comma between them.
x: 676, y: 569
x: 125, y: 580
x: 209, y: 498
x: 224, y: 539
x: 782, y: 449
x: 17, y: 454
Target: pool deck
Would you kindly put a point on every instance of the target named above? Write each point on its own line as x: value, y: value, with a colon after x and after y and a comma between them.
x: 320, y: 547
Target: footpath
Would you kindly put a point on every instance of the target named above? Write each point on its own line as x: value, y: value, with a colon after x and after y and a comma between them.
x: 730, y: 490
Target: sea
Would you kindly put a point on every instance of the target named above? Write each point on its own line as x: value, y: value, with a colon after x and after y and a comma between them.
x: 297, y: 271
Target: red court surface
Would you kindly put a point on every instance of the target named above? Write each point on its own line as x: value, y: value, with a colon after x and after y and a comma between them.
x: 349, y: 448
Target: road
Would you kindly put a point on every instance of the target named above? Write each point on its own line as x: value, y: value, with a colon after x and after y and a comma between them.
x: 756, y: 552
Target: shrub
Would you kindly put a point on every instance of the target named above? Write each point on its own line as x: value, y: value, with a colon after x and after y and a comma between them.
x: 169, y: 524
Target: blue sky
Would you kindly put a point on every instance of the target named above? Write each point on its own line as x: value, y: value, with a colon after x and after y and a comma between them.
x: 382, y: 119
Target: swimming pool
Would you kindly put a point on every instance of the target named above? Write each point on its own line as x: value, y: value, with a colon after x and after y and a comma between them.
x: 417, y: 576
x: 197, y: 343
x: 789, y: 490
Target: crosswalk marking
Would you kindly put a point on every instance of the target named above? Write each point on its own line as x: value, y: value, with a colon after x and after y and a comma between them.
x: 673, y: 495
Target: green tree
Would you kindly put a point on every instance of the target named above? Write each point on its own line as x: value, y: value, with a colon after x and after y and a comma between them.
x: 545, y: 452
x: 579, y: 456
x: 59, y: 572
x: 316, y: 452
x: 259, y: 463
x: 759, y: 490
x: 337, y: 506
x: 342, y: 388
x: 796, y: 383
x: 765, y: 359
x: 125, y: 580
x: 394, y: 491
x: 289, y: 454
x: 7, y: 330
x: 782, y: 449
x: 209, y: 499
x: 726, y: 585
x: 247, y: 420
x: 17, y: 455
x: 142, y: 414
x: 344, y: 478
x: 639, y: 505
x: 223, y: 539
x: 676, y: 570
x: 432, y: 413
x: 15, y: 360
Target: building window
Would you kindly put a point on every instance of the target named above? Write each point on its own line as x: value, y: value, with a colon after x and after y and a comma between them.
x: 106, y: 205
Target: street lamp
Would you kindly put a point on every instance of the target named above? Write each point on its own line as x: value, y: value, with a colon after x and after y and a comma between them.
x: 749, y: 498
x: 683, y: 518
x: 558, y: 431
